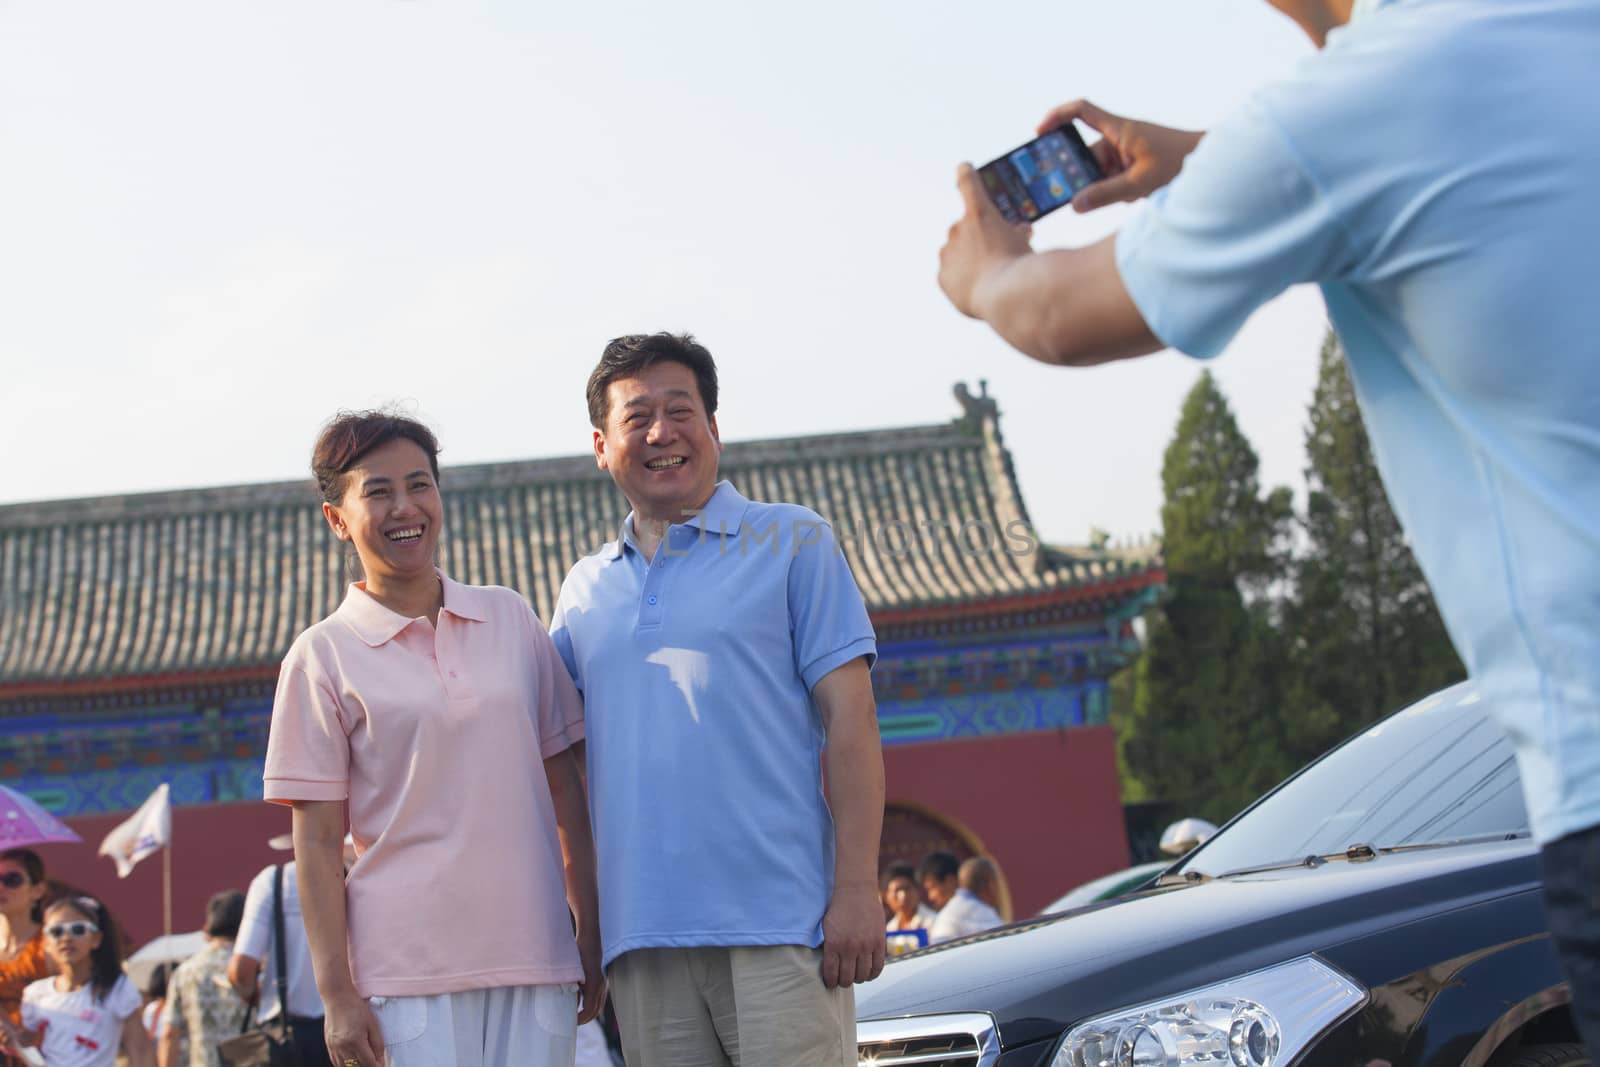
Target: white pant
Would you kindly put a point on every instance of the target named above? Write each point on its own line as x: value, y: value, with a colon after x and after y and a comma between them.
x: 531, y: 1025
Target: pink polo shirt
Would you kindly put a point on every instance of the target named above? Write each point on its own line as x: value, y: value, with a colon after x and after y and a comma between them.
x: 437, y: 738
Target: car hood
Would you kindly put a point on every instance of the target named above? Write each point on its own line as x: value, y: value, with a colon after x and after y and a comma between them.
x: 1039, y: 976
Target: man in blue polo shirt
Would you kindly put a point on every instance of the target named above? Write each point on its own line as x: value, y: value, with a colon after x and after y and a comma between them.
x: 718, y: 643
x: 1433, y: 168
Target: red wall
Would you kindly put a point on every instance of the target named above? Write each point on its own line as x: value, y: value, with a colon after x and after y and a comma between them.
x: 214, y: 846
x: 1046, y: 806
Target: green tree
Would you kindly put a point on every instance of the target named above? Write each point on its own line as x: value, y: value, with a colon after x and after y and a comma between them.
x: 1366, y: 635
x: 1216, y: 524
x: 1207, y: 730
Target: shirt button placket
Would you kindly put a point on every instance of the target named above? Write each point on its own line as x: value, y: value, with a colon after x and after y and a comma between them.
x: 653, y: 601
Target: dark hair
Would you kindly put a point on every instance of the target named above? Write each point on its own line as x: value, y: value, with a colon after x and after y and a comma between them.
x: 33, y: 866
x: 350, y: 435
x: 155, y: 986
x: 106, y: 960
x: 224, y: 913
x: 625, y: 357
x: 897, y: 870
x: 940, y: 866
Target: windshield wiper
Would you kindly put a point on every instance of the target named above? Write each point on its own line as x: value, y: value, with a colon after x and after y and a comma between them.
x: 1510, y: 835
x: 1357, y: 853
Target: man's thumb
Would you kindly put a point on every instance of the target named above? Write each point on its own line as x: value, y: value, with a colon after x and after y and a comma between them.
x: 1113, y: 190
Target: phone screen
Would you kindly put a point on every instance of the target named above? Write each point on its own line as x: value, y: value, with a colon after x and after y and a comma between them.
x: 1040, y: 176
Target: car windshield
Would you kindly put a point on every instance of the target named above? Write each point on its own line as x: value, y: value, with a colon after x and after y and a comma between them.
x: 1439, y: 771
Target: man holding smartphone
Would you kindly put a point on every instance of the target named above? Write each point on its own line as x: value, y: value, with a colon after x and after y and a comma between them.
x: 1432, y: 169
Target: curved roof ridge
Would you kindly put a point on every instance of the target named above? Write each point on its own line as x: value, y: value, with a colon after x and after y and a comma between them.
x: 202, y: 580
x: 492, y: 474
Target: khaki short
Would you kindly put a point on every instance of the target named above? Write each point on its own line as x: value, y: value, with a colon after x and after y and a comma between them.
x: 757, y: 1006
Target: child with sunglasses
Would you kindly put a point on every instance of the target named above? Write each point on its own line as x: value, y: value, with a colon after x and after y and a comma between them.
x: 80, y: 1017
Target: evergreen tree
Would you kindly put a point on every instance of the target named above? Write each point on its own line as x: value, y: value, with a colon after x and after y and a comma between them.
x: 1216, y: 524
x: 1206, y: 730
x: 1367, y: 637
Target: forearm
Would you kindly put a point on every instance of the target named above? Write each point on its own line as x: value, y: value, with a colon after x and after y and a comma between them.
x: 170, y: 1039
x: 577, y: 839
x: 137, y: 1047
x: 854, y: 762
x: 244, y: 973
x: 1066, y: 307
x: 319, y: 869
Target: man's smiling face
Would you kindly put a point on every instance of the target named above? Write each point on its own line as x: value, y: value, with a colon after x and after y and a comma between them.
x: 658, y: 442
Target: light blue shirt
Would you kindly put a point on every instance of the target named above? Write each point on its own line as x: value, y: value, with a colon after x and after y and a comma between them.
x: 1436, y: 169
x: 704, y: 742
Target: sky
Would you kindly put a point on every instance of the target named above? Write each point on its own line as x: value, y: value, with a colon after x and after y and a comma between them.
x: 222, y: 221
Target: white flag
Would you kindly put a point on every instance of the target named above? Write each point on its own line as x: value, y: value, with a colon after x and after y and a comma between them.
x: 145, y: 831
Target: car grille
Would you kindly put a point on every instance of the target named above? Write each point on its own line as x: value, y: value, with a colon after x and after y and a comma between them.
x: 964, y: 1040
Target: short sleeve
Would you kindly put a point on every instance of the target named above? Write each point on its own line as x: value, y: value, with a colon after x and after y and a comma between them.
x: 31, y: 1013
x: 255, y: 929
x: 308, y: 749
x: 560, y: 710
x: 1241, y: 223
x: 827, y: 616
x: 124, y: 1000
x: 562, y: 639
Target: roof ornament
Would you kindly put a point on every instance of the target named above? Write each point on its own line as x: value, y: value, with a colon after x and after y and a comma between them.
x: 976, y: 409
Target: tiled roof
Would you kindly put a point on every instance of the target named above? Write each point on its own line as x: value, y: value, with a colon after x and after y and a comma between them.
x: 222, y: 579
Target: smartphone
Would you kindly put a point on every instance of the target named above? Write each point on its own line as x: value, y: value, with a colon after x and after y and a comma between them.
x: 1029, y: 182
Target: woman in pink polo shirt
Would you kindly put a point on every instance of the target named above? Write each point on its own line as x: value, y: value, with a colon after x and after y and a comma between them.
x: 441, y: 715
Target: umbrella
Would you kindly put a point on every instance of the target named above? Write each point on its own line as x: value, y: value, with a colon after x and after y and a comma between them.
x: 23, y: 822
x: 170, y: 948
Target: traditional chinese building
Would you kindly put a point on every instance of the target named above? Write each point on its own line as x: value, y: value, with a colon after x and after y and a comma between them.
x: 140, y: 638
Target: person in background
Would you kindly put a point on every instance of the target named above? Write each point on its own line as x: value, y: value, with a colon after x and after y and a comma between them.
x: 973, y: 909
x: 202, y: 1004
x: 22, y: 956
x: 254, y: 966
x: 909, y: 918
x: 83, y: 1015
x: 904, y: 900
x: 155, y: 998
x: 939, y: 876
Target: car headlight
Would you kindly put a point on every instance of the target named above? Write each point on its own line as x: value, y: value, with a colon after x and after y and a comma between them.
x: 1261, y: 1019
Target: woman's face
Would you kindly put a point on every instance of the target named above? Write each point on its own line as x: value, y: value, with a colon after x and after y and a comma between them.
x: 18, y: 892
x: 903, y: 897
x: 391, y: 511
x: 70, y: 936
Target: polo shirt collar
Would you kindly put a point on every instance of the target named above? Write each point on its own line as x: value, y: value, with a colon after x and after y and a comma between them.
x: 378, y: 625
x: 723, y: 513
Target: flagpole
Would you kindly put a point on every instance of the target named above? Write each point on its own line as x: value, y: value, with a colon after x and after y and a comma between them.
x: 166, y: 888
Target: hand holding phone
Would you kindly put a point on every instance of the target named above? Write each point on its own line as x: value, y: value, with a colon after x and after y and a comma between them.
x: 1136, y: 157
x: 1034, y: 179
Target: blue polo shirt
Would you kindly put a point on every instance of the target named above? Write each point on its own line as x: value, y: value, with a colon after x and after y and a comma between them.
x: 1434, y: 170
x: 704, y: 743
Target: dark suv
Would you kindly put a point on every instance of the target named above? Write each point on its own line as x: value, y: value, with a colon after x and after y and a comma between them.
x: 1381, y: 907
